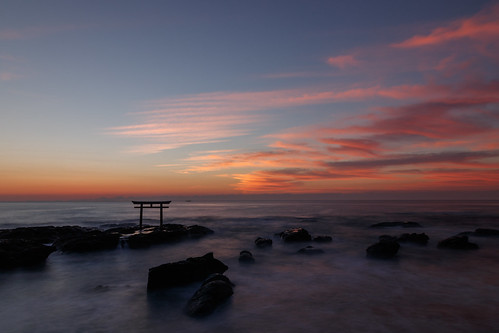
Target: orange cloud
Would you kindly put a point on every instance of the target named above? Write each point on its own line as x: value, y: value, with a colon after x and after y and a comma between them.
x: 318, y: 158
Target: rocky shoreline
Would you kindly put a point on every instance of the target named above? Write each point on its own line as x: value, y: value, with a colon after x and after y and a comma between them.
x: 27, y: 246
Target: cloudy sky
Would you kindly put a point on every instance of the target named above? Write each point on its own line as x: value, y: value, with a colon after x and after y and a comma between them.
x: 165, y: 98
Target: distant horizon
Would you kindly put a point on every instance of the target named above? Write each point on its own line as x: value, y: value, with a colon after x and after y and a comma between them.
x: 379, y: 196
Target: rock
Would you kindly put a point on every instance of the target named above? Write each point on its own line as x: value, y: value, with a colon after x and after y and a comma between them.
x: 310, y: 250
x: 125, y: 230
x: 459, y: 242
x: 46, y: 235
x: 263, y: 242
x: 421, y: 239
x: 383, y: 249
x: 93, y: 240
x: 295, y: 235
x: 323, y: 239
x: 197, y: 231
x: 184, y: 272
x: 396, y: 224
x: 483, y: 232
x: 246, y: 257
x: 213, y: 292
x: 383, y: 238
x: 22, y: 252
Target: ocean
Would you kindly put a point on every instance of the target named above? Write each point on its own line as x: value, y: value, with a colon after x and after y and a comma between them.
x: 423, y: 288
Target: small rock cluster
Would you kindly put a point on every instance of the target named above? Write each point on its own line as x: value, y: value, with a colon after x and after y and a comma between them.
x: 388, y: 246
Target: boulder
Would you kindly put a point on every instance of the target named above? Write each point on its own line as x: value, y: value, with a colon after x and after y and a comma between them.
x: 214, y: 291
x: 459, y: 242
x: 396, y: 224
x: 184, y: 272
x: 310, y: 250
x: 22, y: 252
x: 323, y: 239
x: 263, y: 242
x: 421, y: 239
x: 383, y: 249
x: 295, y: 235
x: 246, y: 257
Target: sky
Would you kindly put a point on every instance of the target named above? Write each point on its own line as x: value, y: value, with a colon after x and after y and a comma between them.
x: 104, y: 99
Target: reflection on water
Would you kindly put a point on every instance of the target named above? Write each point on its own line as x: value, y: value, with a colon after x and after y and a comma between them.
x: 341, y: 290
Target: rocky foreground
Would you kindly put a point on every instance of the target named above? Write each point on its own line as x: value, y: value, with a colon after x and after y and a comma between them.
x: 32, y: 245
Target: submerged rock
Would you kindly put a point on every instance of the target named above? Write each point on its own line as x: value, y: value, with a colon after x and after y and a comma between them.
x: 323, y: 239
x: 421, y: 239
x: 246, y: 257
x: 214, y: 291
x: 184, y: 272
x: 484, y: 232
x: 310, y: 250
x: 22, y: 252
x: 384, y: 238
x: 167, y: 234
x: 396, y: 224
x: 459, y: 242
x: 263, y: 242
x: 295, y: 235
x: 383, y: 249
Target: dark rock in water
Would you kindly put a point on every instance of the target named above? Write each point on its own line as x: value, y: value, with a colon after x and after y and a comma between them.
x: 167, y: 234
x: 246, y: 257
x: 396, y: 224
x: 22, y: 252
x: 486, y: 232
x: 323, y: 239
x: 295, y: 235
x: 197, y: 231
x: 263, y: 242
x: 310, y: 250
x: 214, y: 291
x: 384, y: 238
x: 125, y: 230
x: 46, y: 235
x: 383, y: 249
x: 459, y: 242
x: 184, y: 272
x: 93, y: 240
x: 421, y: 238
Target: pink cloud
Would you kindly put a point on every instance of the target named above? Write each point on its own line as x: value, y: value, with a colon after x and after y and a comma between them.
x: 343, y: 61
x: 415, y: 134
x: 482, y: 26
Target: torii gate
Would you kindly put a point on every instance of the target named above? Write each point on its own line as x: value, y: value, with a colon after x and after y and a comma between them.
x: 151, y: 204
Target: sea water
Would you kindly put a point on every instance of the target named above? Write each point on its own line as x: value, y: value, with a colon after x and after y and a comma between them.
x: 423, y: 289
